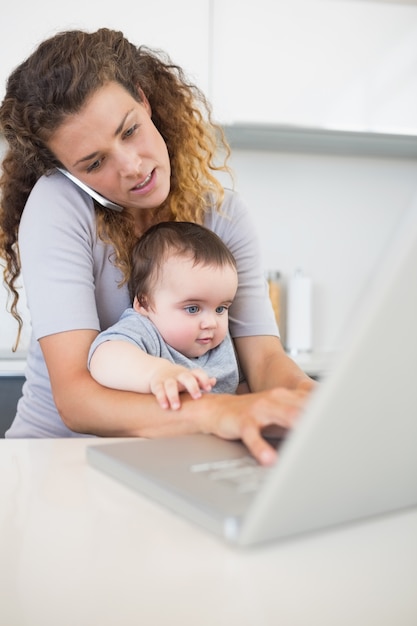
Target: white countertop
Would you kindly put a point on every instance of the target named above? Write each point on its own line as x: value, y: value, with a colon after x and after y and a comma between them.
x: 12, y: 367
x: 77, y: 548
x: 315, y: 363
x: 12, y: 363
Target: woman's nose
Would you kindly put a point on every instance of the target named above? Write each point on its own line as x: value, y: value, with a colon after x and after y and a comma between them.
x: 129, y: 162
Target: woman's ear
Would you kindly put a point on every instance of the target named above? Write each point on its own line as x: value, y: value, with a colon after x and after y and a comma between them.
x: 141, y: 305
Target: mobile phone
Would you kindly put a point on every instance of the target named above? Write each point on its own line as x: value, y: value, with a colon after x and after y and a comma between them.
x: 108, y: 204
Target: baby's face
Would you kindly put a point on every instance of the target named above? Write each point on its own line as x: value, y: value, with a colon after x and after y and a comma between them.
x: 190, y: 305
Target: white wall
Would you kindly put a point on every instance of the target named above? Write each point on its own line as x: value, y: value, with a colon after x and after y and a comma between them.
x: 180, y: 28
x: 322, y: 63
x: 329, y: 215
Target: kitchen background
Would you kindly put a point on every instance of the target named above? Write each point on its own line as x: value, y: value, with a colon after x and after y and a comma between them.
x: 319, y: 101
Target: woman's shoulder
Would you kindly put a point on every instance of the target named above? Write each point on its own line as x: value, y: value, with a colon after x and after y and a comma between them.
x: 232, y: 203
x: 57, y: 191
x: 231, y: 219
x: 55, y: 200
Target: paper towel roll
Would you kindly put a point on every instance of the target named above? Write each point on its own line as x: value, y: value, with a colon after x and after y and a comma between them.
x: 299, y: 313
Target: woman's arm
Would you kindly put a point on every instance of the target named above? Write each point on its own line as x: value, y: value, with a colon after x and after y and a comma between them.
x: 86, y: 406
x: 266, y: 365
x: 122, y: 365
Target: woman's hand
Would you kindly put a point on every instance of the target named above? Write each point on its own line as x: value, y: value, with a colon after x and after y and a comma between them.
x: 306, y: 386
x: 246, y: 417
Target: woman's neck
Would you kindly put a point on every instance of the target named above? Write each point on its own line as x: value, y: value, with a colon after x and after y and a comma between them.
x: 146, y: 218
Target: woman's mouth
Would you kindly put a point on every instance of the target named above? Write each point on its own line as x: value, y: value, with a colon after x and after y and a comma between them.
x: 144, y: 183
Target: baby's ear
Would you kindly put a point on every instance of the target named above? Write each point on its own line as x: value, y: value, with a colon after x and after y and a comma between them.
x: 141, y: 305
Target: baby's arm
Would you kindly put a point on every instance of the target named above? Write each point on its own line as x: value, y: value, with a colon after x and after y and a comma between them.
x: 121, y: 365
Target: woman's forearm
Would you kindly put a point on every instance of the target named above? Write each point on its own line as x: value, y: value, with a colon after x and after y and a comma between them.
x: 87, y: 407
x: 266, y: 365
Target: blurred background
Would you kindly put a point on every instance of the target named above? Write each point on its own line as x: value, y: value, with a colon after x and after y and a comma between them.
x: 319, y: 101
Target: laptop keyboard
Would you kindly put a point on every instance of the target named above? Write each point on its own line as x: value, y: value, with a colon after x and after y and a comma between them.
x: 245, y: 474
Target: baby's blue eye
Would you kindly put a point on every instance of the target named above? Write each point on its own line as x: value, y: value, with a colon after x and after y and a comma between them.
x: 193, y: 308
x: 221, y: 309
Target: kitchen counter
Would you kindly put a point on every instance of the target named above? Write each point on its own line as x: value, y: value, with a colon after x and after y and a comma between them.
x: 12, y: 363
x: 315, y: 364
x: 77, y: 547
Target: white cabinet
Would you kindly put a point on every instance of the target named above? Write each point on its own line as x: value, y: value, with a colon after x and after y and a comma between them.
x: 181, y: 28
x: 338, y: 64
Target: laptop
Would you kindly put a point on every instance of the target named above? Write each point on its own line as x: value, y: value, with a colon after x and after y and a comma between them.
x: 352, y: 454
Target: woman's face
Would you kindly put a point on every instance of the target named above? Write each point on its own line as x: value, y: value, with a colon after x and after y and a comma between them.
x: 113, y: 146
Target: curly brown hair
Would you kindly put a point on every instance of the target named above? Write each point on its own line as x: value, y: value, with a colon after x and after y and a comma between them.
x: 54, y: 83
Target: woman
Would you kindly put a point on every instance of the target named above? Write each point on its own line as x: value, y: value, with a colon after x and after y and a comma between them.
x: 124, y: 121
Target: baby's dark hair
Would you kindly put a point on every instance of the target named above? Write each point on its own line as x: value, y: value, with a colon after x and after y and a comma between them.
x: 166, y: 239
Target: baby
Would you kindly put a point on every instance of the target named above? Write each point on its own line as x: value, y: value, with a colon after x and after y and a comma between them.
x: 175, y: 336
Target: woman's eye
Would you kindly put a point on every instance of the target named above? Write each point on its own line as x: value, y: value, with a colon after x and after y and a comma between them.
x: 94, y: 166
x: 130, y: 130
x: 192, y: 309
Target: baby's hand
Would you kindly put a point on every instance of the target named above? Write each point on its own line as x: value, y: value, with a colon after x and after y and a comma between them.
x: 169, y: 381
